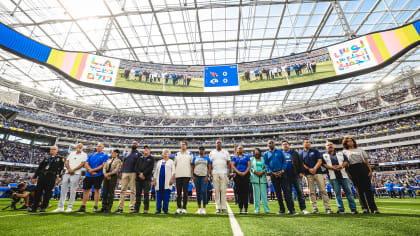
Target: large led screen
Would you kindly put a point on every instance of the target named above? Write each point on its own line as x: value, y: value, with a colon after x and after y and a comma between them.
x: 354, y: 57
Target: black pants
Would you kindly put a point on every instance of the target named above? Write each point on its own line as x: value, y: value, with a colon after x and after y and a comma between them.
x: 44, y: 187
x: 359, y: 173
x: 392, y: 194
x: 108, y: 192
x: 182, y: 186
x: 329, y: 195
x: 242, y: 188
x: 142, y: 186
x: 281, y: 184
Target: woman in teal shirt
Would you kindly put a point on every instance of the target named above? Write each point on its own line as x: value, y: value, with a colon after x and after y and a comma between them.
x: 259, y: 181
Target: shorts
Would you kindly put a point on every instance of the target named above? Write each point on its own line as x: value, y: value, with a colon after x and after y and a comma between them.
x: 96, y: 182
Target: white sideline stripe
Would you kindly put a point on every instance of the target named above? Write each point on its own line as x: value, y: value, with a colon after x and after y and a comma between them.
x: 26, y: 214
x: 236, y: 229
x: 400, y: 209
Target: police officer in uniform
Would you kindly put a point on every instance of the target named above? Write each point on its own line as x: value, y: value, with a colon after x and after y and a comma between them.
x: 48, y: 173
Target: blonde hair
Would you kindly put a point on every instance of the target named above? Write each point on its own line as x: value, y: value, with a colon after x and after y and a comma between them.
x: 166, y: 150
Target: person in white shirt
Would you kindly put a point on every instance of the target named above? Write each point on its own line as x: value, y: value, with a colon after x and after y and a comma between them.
x: 75, y: 161
x: 220, y: 160
x: 183, y: 161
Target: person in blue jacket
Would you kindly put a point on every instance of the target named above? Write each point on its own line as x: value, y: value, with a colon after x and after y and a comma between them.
x: 275, y: 163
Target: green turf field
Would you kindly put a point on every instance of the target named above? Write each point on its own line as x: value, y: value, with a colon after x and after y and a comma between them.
x: 399, y: 217
x: 323, y: 70
x: 196, y: 85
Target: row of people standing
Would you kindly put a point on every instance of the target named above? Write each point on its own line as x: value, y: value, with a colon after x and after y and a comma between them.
x: 287, y: 167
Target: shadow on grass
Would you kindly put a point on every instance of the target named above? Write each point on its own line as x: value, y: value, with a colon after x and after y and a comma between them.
x: 263, y: 215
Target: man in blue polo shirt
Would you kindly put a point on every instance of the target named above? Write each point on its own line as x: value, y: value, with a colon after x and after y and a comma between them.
x: 94, y: 176
x: 275, y: 163
x: 390, y: 187
x: 312, y: 162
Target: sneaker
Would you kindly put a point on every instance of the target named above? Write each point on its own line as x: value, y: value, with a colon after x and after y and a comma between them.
x: 118, y: 211
x: 365, y: 211
x: 256, y: 212
x: 203, y: 211
x: 134, y: 211
x: 69, y: 210
x: 157, y: 212
x: 165, y: 212
x: 59, y: 210
x: 198, y: 212
x: 280, y: 213
x: 81, y: 209
x: 42, y: 210
x: 354, y: 212
x: 146, y: 212
x: 178, y: 211
x: 315, y: 211
x: 217, y: 211
x: 293, y: 213
x: 376, y: 212
x: 305, y: 212
x: 184, y: 211
x: 240, y: 210
x: 32, y: 210
x: 224, y: 211
x: 23, y: 208
x: 328, y: 211
x: 95, y: 208
x: 341, y: 212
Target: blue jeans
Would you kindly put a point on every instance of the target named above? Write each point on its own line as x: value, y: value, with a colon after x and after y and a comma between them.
x: 297, y: 183
x: 201, y: 189
x: 165, y: 193
x: 345, y: 183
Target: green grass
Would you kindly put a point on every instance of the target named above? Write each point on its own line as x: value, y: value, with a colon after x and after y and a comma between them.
x: 196, y: 85
x: 399, y: 217
x: 323, y: 70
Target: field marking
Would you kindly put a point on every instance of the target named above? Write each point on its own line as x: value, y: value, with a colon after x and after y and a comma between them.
x: 393, y: 201
x: 401, y: 209
x: 27, y: 214
x: 236, y: 229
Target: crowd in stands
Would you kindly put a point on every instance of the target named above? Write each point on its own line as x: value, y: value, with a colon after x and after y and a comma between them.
x: 67, y: 113
x: 411, y: 152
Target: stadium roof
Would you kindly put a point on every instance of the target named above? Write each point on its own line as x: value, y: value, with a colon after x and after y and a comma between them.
x: 198, y: 32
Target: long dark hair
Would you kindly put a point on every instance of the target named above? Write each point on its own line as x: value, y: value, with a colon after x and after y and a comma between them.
x: 345, y: 140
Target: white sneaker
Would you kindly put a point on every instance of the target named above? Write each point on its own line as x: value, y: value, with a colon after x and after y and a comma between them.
x: 69, y: 210
x: 198, y: 211
x: 183, y: 211
x: 305, y: 212
x: 59, y: 210
x: 178, y: 211
x: 203, y: 211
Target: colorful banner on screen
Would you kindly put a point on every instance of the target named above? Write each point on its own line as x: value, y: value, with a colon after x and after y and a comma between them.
x: 373, y: 49
x: 86, y: 67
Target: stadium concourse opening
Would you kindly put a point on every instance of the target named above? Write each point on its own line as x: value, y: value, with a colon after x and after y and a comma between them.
x: 228, y: 117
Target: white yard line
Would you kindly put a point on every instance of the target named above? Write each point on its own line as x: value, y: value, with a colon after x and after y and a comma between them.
x: 236, y: 229
x: 27, y: 214
x: 400, y: 209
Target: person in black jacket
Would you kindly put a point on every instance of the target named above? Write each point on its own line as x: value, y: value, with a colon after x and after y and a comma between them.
x: 144, y: 168
x: 295, y: 174
x: 48, y: 173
